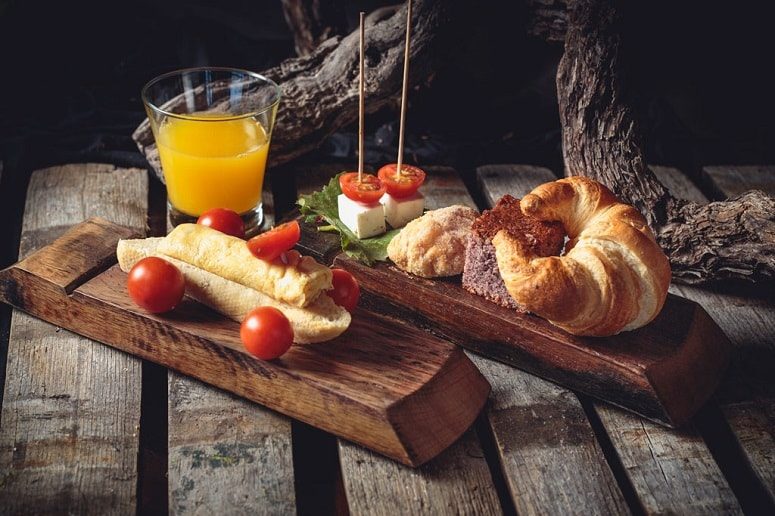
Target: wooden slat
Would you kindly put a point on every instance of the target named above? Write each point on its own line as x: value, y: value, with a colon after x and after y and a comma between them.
x: 732, y: 180
x: 542, y: 437
x: 692, y: 480
x: 558, y: 441
x: 747, y: 399
x: 71, y: 410
x: 227, y: 454
x: 456, y: 482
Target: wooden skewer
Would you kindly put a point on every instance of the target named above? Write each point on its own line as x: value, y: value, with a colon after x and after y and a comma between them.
x: 360, y: 105
x: 405, y: 86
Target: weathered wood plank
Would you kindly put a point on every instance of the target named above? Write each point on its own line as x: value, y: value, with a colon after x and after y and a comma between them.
x: 541, y: 429
x: 694, y: 481
x: 227, y: 454
x: 71, y: 411
x: 747, y: 398
x: 732, y: 180
x: 456, y: 482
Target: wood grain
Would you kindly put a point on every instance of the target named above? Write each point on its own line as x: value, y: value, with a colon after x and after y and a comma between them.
x: 692, y: 481
x: 541, y: 434
x: 664, y: 371
x: 69, y: 434
x: 406, y: 395
x: 732, y: 180
x: 747, y: 397
x: 227, y: 454
x: 458, y: 481
x: 541, y: 429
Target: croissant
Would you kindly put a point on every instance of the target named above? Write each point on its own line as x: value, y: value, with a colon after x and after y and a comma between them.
x: 613, y: 275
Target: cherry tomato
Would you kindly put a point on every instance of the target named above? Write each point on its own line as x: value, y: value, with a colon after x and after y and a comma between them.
x: 225, y: 221
x: 346, y: 291
x: 276, y: 241
x: 404, y: 185
x: 266, y: 332
x: 156, y: 285
x: 368, y: 190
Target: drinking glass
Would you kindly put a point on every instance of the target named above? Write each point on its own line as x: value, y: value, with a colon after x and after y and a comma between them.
x: 212, y: 128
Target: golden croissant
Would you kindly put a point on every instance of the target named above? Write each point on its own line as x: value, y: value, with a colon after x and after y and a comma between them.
x: 613, y: 275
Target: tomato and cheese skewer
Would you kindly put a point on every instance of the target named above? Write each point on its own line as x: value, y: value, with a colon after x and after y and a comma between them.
x: 359, y: 203
x: 402, y: 202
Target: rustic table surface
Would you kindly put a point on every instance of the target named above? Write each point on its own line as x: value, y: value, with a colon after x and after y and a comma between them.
x: 88, y: 429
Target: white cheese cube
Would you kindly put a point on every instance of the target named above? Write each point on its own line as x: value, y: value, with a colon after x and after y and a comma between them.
x: 399, y: 212
x: 365, y: 220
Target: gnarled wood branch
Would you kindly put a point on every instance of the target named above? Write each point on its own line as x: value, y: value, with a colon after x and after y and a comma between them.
x: 313, y: 22
x: 320, y: 90
x: 601, y: 139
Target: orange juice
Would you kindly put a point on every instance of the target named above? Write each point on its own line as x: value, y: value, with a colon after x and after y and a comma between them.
x: 213, y: 163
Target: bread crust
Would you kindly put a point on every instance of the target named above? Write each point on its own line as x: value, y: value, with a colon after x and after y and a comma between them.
x: 613, y: 275
x: 230, y: 258
x: 320, y: 321
x: 434, y: 245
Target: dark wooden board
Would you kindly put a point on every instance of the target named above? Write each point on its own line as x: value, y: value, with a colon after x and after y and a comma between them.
x: 664, y: 371
x: 405, y: 394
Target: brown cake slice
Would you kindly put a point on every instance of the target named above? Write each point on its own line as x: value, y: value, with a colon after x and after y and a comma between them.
x: 480, y: 273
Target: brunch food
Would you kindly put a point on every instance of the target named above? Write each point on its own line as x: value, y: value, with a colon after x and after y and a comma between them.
x: 366, y: 204
x: 610, y: 276
x: 279, y: 296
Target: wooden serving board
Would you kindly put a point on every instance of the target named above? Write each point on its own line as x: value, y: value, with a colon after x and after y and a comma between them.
x: 383, y: 384
x: 664, y: 371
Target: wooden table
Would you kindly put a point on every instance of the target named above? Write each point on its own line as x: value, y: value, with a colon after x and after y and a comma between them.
x: 88, y: 429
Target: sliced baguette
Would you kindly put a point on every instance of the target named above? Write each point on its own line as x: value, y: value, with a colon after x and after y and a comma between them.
x: 320, y: 321
x: 230, y: 258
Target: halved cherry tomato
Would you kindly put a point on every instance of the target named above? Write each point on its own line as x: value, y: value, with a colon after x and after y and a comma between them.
x: 225, y: 221
x: 156, y: 285
x: 276, y: 241
x: 266, y: 332
x: 346, y: 291
x: 368, y: 190
x: 404, y: 185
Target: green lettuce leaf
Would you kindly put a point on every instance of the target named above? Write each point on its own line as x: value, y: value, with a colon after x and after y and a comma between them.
x: 323, y: 204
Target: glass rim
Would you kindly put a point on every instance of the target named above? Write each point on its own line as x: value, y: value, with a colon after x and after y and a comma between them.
x: 182, y: 71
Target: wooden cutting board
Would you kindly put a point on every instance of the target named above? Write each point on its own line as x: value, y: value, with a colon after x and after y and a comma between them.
x: 664, y: 371
x: 384, y: 384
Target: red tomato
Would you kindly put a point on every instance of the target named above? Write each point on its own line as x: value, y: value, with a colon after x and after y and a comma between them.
x: 276, y: 241
x: 156, y: 285
x: 404, y: 185
x: 346, y: 291
x: 225, y: 221
x: 266, y: 332
x: 368, y: 190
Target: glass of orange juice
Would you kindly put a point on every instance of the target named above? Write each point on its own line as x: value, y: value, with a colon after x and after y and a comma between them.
x: 212, y: 128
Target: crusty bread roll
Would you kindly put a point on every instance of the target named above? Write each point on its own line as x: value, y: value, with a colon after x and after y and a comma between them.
x: 230, y: 258
x: 320, y: 321
x: 613, y: 275
x: 434, y: 244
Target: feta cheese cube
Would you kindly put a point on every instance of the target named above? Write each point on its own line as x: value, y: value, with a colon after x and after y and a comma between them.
x: 365, y: 220
x: 399, y: 212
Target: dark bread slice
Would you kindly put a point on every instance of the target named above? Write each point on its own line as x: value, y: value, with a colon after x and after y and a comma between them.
x: 480, y: 273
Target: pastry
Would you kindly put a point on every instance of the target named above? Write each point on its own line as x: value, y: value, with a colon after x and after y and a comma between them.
x: 481, y: 275
x: 613, y: 276
x: 434, y: 245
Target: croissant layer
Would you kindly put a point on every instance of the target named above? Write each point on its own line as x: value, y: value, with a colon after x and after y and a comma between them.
x: 613, y: 275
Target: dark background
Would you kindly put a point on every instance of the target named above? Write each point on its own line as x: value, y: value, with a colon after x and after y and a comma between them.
x: 71, y: 73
